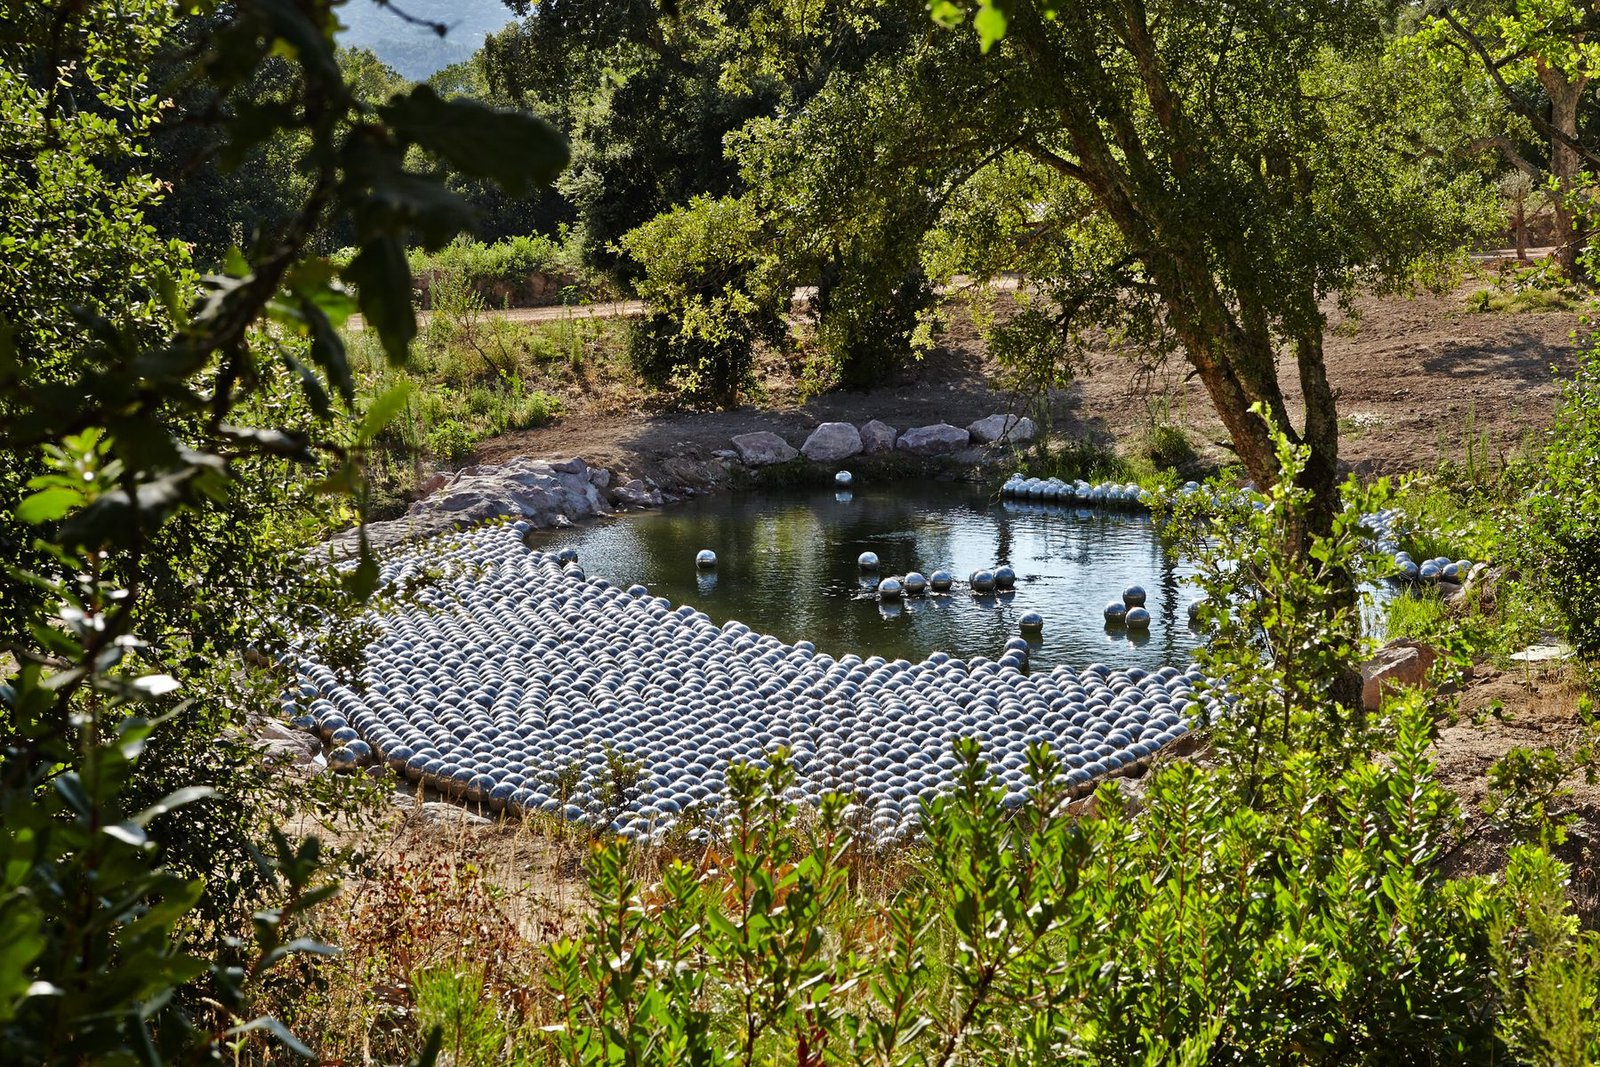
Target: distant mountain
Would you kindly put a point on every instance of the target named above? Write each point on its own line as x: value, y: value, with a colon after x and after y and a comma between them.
x: 416, y: 51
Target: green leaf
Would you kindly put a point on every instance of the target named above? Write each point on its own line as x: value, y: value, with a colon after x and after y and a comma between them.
x: 382, y: 278
x: 382, y: 411
x: 176, y: 799
x: 47, y: 505
x: 8, y: 349
x: 990, y: 22
x: 514, y: 150
x: 277, y: 1030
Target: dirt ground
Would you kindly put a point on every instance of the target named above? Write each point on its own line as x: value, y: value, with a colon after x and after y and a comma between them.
x: 1416, y: 378
x: 1419, y: 380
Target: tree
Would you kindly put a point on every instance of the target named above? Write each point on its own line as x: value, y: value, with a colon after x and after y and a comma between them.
x: 1209, y: 170
x: 160, y: 433
x: 1525, y: 50
x: 648, y: 92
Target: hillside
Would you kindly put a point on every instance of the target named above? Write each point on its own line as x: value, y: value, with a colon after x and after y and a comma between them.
x: 416, y: 51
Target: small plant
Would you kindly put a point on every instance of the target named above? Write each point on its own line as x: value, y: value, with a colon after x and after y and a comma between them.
x: 452, y: 440
x: 1169, y: 447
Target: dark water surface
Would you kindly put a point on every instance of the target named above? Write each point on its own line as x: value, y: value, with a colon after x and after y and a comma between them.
x: 786, y: 565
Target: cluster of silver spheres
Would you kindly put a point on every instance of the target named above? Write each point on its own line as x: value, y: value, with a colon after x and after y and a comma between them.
x: 1431, y: 571
x: 1056, y: 491
x: 516, y: 678
x: 1130, y: 610
x: 915, y: 583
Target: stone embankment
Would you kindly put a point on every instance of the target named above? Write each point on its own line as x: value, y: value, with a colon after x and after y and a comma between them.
x: 559, y: 492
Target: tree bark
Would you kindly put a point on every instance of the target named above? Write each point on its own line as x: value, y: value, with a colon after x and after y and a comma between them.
x: 1565, y: 95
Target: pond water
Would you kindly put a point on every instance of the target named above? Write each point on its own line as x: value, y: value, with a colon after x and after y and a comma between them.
x: 786, y: 565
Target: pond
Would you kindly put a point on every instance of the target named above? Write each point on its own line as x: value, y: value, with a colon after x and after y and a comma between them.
x: 787, y: 566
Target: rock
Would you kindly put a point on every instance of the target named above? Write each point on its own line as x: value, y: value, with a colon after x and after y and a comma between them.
x: 571, y: 466
x: 937, y: 440
x: 1542, y: 654
x: 878, y: 437
x: 1451, y: 592
x: 1399, y: 663
x: 831, y: 442
x: 1006, y: 429
x: 599, y: 477
x: 433, y: 483
x: 725, y: 453
x: 763, y: 447
x: 637, y: 494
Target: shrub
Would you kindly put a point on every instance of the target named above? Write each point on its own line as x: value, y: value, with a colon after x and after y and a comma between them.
x: 1562, y: 549
x: 709, y: 302
x: 869, y: 327
x: 1287, y: 902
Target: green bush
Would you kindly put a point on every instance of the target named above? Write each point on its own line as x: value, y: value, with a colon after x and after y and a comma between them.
x: 1562, y: 550
x: 868, y: 326
x: 1286, y: 902
x: 708, y: 301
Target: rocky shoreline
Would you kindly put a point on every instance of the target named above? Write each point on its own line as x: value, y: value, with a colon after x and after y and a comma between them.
x: 560, y: 492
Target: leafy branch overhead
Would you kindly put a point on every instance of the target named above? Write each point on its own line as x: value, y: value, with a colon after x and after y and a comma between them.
x: 166, y: 435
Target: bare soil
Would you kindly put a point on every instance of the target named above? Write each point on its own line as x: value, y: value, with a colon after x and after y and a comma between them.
x: 1416, y: 379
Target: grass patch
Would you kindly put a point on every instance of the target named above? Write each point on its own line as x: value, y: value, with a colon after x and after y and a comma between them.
x: 1420, y: 615
x: 1077, y: 458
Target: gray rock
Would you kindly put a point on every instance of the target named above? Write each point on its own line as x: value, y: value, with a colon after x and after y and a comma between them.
x: 878, y: 437
x: 637, y: 494
x: 763, y: 448
x: 599, y: 477
x: 433, y: 483
x: 1399, y: 663
x: 571, y: 466
x: 1008, y: 429
x: 937, y: 440
x: 831, y: 442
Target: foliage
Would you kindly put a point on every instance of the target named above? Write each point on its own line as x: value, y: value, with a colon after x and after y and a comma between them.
x: 649, y: 93
x: 1562, y: 550
x: 163, y: 433
x: 1536, y: 57
x: 709, y: 300
x: 1537, y: 288
x: 506, y: 264
x: 1288, y: 903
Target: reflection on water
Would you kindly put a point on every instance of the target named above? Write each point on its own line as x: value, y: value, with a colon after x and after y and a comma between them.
x: 786, y: 565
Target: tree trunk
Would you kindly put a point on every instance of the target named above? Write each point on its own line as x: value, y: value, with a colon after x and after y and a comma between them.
x: 1565, y: 165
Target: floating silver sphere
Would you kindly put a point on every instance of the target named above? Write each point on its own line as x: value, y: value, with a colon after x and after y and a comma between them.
x: 567, y: 555
x: 843, y: 478
x: 941, y: 581
x: 1031, y: 622
x: 982, y: 581
x: 1116, y: 611
x: 705, y: 559
x: 915, y: 583
x: 867, y: 561
x: 1137, y: 619
x: 1133, y: 596
x: 1429, y: 571
x: 1004, y: 577
x: 1409, y: 571
x: 891, y: 589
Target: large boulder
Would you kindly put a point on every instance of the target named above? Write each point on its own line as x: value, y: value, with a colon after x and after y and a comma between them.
x: 937, y: 440
x: 763, y: 448
x: 831, y: 442
x: 1398, y: 664
x: 878, y: 437
x: 1007, y: 429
